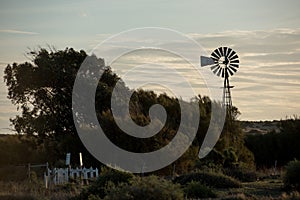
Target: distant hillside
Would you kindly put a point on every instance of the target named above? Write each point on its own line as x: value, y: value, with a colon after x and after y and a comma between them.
x: 259, y: 127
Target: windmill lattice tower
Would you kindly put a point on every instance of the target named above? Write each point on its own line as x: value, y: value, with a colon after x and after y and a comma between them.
x: 223, y: 62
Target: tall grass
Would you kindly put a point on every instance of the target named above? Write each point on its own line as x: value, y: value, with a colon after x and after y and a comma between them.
x: 35, y: 191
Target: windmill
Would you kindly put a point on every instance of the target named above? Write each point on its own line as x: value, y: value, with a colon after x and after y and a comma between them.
x: 223, y: 62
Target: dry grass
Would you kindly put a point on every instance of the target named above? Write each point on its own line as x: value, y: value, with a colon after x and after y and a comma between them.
x: 35, y: 191
x: 267, y: 189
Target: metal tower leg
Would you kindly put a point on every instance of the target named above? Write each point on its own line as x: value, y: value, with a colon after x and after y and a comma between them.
x: 227, y: 102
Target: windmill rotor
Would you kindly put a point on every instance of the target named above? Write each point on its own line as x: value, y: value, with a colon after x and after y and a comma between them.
x: 226, y: 62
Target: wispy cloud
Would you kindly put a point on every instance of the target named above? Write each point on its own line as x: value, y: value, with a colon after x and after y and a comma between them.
x: 267, y: 82
x: 268, y: 77
x: 18, y: 32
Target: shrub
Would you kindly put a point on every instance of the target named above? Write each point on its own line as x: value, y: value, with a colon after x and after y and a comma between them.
x: 146, y: 188
x: 292, y: 175
x: 99, y: 187
x: 213, y: 179
x: 198, y: 190
x: 242, y: 174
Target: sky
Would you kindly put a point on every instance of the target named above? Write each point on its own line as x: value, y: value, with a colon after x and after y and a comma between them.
x: 266, y: 35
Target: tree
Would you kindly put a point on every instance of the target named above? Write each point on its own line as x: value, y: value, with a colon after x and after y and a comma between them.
x: 42, y: 90
x: 230, y: 151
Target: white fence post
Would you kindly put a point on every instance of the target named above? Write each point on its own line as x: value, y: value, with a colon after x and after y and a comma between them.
x: 97, y: 174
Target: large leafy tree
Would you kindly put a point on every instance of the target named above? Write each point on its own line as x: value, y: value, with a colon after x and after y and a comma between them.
x: 42, y: 91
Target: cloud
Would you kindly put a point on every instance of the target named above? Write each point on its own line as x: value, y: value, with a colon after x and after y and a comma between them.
x: 18, y: 32
x: 266, y: 84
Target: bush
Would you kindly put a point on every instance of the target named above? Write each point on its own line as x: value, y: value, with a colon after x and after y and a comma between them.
x: 198, y: 190
x: 99, y: 187
x: 292, y: 175
x: 146, y: 188
x: 213, y: 179
x: 242, y: 174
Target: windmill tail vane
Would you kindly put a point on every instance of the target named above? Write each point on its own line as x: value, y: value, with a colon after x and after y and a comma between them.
x: 223, y: 62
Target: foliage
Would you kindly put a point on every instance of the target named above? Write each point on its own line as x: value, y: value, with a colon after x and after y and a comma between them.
x: 42, y: 90
x: 107, y: 177
x: 292, y: 175
x: 242, y: 174
x: 212, y: 179
x: 15, y: 150
x: 146, y: 188
x: 280, y: 147
x: 230, y: 150
x: 198, y: 190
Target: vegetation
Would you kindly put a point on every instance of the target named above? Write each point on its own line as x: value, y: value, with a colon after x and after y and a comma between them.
x: 198, y: 190
x: 242, y: 174
x: 274, y: 147
x: 42, y: 91
x: 147, y: 188
x: 213, y: 179
x: 107, y: 179
x: 292, y: 175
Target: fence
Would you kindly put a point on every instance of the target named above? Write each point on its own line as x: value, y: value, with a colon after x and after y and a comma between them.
x: 63, y: 175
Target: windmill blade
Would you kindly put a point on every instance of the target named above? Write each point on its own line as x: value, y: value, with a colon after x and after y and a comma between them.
x: 206, y: 61
x: 228, y: 52
x: 220, y: 51
x: 214, y: 66
x: 223, y: 74
x: 230, y: 72
x: 234, y: 57
x: 227, y: 73
x: 215, y: 70
x: 216, y: 60
x: 225, y: 51
x: 235, y: 61
x: 214, y: 56
x: 219, y: 72
x: 231, y: 54
x: 232, y: 68
x: 234, y: 65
